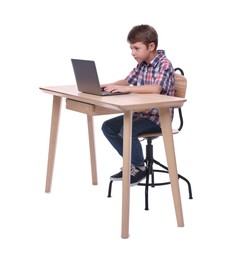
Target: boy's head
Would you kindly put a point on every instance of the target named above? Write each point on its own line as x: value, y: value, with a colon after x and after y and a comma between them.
x: 143, y: 33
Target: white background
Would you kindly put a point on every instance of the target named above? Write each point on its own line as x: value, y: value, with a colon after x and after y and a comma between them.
x: 77, y: 220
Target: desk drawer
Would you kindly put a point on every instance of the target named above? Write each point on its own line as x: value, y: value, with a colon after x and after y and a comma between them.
x: 79, y: 106
x: 88, y: 109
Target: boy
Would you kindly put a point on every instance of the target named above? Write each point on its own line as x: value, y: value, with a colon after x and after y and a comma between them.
x: 154, y: 74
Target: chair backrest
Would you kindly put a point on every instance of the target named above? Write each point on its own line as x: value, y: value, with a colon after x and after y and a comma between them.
x: 181, y: 87
x: 180, y: 84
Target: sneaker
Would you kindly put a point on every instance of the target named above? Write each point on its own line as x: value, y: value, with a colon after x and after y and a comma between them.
x: 137, y: 175
x: 117, y: 176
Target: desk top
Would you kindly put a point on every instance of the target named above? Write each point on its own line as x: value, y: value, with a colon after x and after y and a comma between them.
x: 127, y: 102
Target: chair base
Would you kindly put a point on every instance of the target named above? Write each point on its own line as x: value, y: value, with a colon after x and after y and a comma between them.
x: 150, y: 162
x: 151, y: 173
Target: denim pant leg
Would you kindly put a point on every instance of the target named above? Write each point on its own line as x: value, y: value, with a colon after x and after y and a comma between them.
x: 113, y: 130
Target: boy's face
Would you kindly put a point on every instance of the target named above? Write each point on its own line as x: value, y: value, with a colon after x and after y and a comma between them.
x: 141, y: 52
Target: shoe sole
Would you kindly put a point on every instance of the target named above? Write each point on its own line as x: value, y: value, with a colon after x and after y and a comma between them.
x: 131, y: 184
x: 118, y: 179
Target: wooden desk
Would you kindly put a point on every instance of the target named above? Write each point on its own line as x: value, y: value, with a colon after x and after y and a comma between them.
x: 95, y: 105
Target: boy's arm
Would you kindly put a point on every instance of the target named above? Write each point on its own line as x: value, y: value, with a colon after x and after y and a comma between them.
x: 121, y: 82
x: 146, y: 89
x: 123, y: 86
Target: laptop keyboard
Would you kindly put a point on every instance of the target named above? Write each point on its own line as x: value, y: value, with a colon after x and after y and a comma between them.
x: 106, y: 93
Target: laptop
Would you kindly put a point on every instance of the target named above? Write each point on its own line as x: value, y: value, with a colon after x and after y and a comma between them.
x: 87, y: 78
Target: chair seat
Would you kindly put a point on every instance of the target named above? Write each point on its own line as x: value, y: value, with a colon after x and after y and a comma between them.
x: 154, y: 135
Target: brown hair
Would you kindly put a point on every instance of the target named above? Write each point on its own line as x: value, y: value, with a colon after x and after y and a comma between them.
x: 143, y: 33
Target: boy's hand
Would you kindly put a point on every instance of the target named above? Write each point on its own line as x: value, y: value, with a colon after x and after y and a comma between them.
x: 114, y: 88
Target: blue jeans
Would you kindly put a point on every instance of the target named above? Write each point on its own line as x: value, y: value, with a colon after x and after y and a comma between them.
x: 113, y: 131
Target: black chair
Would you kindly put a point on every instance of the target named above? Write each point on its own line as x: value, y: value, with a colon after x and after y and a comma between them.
x: 150, y: 162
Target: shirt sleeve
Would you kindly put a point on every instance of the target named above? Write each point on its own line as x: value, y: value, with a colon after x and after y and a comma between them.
x: 165, y: 78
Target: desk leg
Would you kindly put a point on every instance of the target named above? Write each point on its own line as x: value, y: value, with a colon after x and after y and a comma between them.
x: 127, y: 132
x: 92, y: 149
x: 53, y: 140
x: 171, y: 161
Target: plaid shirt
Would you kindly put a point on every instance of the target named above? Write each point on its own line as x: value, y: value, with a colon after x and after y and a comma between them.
x: 159, y: 71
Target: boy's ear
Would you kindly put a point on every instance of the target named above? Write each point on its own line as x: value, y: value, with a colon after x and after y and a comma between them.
x: 152, y: 46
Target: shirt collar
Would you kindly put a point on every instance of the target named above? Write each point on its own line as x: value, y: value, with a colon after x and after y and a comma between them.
x: 155, y: 61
